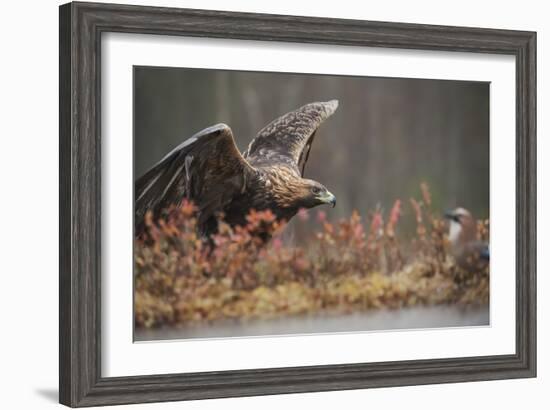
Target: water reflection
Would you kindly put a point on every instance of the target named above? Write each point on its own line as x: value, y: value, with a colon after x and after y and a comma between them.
x: 413, y: 318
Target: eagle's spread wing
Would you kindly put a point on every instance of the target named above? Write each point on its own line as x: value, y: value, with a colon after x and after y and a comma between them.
x: 207, y: 169
x: 287, y: 140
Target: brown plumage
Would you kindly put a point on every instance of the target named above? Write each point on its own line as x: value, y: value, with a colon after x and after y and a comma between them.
x: 469, y: 253
x: 209, y: 170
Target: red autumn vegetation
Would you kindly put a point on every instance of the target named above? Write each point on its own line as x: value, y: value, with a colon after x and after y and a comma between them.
x: 357, y: 264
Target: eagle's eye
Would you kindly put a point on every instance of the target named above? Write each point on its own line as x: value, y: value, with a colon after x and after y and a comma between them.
x: 315, y: 190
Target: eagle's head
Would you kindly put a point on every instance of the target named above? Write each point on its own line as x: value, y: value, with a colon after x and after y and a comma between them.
x: 292, y: 192
x: 298, y: 193
x: 313, y: 193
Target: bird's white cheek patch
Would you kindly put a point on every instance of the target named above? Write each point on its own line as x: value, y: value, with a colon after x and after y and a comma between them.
x: 454, y: 231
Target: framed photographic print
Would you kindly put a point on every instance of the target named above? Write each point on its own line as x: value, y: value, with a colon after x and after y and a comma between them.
x: 260, y: 204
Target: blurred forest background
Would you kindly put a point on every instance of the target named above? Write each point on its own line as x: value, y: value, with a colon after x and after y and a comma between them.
x: 386, y: 137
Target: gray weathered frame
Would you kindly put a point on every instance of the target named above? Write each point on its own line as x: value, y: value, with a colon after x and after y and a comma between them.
x: 80, y: 380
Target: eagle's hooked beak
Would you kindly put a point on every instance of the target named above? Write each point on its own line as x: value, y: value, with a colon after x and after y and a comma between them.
x: 328, y: 198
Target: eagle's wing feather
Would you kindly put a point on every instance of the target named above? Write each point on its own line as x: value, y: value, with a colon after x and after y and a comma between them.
x: 287, y: 140
x: 207, y: 169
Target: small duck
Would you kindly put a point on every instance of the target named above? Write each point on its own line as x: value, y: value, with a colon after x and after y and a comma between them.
x: 470, y: 253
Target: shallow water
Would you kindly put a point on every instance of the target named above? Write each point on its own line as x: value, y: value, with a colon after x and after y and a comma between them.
x: 403, y: 319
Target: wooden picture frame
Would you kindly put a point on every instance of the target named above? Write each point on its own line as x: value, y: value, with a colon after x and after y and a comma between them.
x: 81, y: 27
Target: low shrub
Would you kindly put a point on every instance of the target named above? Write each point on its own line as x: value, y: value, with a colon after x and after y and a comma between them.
x: 358, y: 263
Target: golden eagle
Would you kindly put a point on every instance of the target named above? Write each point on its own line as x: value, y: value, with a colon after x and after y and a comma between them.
x: 209, y: 170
